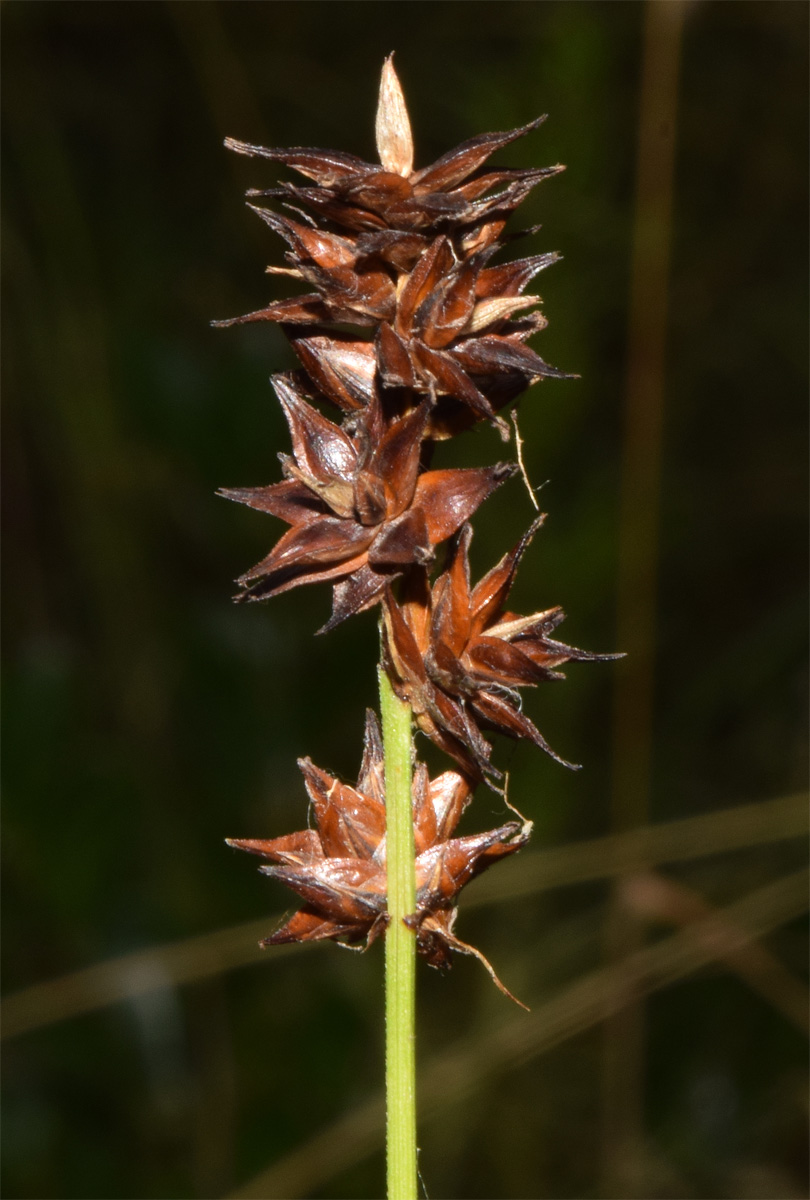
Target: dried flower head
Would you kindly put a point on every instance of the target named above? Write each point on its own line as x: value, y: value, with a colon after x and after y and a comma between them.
x: 405, y: 253
x: 369, y: 197
x: 458, y: 658
x: 339, y: 868
x: 358, y: 507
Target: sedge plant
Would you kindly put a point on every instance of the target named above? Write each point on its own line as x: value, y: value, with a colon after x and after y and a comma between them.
x: 407, y: 334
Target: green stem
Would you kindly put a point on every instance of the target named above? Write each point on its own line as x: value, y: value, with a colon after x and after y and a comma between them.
x: 400, y: 948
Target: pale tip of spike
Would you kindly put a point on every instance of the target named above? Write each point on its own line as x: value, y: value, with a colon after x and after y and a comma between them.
x: 393, y: 127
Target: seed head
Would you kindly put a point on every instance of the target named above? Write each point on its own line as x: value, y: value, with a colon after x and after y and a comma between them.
x: 458, y: 657
x: 339, y: 868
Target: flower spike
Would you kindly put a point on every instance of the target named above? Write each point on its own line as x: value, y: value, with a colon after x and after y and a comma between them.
x: 407, y: 332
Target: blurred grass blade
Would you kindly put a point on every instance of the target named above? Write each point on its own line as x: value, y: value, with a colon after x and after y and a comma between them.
x: 674, y: 841
x: 109, y: 982
x: 461, y: 1071
x: 652, y: 897
x: 639, y: 551
x: 210, y: 954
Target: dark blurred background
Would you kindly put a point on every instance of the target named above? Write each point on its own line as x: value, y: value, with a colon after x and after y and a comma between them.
x: 151, y: 1050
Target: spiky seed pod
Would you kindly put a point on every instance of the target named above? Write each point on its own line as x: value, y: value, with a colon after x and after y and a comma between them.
x: 458, y: 657
x: 339, y: 868
x: 359, y: 509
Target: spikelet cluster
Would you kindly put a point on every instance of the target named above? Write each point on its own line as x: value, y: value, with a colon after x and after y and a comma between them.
x: 436, y: 343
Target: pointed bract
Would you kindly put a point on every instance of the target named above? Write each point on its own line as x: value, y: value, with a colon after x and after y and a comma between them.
x: 393, y: 128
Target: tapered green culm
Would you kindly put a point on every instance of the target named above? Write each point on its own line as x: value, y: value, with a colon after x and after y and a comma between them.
x: 400, y: 948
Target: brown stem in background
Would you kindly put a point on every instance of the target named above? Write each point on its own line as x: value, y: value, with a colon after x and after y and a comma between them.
x: 622, y: 1147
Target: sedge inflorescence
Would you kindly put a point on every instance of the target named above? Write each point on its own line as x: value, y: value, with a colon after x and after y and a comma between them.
x: 437, y: 344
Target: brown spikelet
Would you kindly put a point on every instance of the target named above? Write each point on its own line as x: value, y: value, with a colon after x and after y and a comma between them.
x: 339, y: 868
x: 403, y: 254
x: 458, y: 657
x: 359, y: 509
